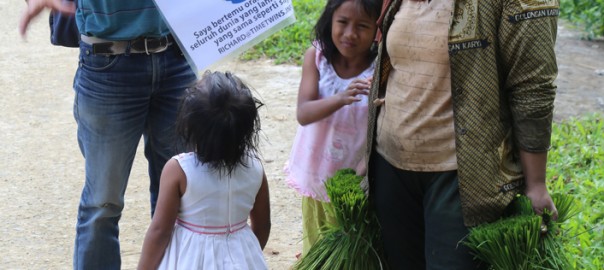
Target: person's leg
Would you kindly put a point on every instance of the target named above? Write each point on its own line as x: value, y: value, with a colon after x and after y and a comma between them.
x: 314, y: 218
x: 309, y: 224
x: 397, y: 198
x: 171, y: 76
x: 110, y: 108
x: 444, y: 226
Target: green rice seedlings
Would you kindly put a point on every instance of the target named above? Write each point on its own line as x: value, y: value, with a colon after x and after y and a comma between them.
x: 551, y: 250
x: 352, y: 243
x: 524, y: 240
x: 507, y: 244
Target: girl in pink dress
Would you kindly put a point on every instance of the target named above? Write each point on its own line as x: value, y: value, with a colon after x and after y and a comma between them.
x: 207, y: 195
x: 332, y: 106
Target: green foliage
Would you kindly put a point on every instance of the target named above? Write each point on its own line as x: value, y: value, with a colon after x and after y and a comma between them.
x: 507, y: 244
x: 575, y: 176
x: 588, y: 14
x: 524, y: 240
x: 289, y: 44
x: 576, y: 168
x: 352, y: 242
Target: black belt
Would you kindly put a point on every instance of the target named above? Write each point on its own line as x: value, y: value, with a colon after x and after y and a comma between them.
x: 138, y: 45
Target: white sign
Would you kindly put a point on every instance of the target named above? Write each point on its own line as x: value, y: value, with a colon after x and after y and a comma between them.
x: 209, y: 30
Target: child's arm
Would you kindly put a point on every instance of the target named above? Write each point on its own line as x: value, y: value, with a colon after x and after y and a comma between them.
x: 172, y: 185
x: 361, y: 168
x: 310, y: 107
x: 260, y: 216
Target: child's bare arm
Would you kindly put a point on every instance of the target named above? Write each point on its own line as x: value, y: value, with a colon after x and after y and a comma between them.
x: 361, y: 168
x: 308, y: 92
x: 172, y: 186
x: 311, y: 107
x: 260, y: 216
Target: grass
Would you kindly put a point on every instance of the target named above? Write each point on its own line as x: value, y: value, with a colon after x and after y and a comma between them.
x: 575, y: 170
x: 576, y: 167
x: 288, y: 45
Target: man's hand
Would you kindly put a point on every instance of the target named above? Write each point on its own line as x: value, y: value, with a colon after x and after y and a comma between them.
x: 34, y: 7
x: 534, y: 165
x: 541, y: 200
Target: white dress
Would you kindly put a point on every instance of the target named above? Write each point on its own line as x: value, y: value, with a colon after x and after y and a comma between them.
x: 211, y: 231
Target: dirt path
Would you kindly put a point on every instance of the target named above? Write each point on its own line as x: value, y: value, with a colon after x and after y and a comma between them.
x: 41, y: 169
x: 581, y: 75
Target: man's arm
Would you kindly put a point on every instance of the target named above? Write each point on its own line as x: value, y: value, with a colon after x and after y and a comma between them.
x: 34, y: 7
x: 530, y: 68
x: 534, y: 165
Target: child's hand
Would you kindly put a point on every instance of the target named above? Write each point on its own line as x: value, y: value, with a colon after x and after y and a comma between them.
x: 356, y: 87
x: 361, y: 168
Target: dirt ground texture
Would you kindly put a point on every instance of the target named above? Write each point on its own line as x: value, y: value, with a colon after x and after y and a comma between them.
x: 41, y: 168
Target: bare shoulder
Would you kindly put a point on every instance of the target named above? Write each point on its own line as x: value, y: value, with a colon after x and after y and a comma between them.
x: 174, y: 175
x: 310, y: 52
x: 309, y: 59
x: 173, y: 167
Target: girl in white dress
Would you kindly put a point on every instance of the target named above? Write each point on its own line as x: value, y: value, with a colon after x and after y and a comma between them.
x: 207, y: 195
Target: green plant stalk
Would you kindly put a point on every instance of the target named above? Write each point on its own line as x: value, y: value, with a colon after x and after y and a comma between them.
x: 518, y: 242
x: 351, y: 244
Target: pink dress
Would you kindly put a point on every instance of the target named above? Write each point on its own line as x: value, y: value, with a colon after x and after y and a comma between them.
x: 333, y: 143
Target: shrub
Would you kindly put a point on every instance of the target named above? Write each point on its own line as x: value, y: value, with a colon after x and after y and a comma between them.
x: 588, y: 14
x: 288, y: 45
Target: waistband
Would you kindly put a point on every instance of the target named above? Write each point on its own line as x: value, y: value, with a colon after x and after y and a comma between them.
x: 138, y: 45
x: 214, y: 230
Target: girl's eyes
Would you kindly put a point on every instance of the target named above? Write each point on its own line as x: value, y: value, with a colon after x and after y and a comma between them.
x: 364, y: 26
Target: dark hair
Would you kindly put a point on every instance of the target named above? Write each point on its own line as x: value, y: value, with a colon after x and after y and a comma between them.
x: 218, y: 119
x: 322, y: 29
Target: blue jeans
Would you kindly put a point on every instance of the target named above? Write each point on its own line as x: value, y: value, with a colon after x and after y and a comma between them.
x: 118, y: 98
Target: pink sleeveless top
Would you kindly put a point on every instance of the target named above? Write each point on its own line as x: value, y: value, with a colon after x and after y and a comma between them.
x: 333, y: 143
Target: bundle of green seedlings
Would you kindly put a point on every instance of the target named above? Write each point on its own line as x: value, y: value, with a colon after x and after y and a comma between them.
x: 350, y: 244
x: 524, y: 240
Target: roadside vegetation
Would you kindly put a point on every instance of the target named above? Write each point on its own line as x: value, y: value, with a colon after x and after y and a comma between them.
x: 288, y: 46
x: 576, y: 167
x: 586, y: 15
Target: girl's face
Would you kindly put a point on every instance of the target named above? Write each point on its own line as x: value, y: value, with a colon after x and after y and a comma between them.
x: 352, y: 30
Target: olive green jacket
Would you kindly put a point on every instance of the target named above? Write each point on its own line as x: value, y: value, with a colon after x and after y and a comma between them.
x: 503, y: 68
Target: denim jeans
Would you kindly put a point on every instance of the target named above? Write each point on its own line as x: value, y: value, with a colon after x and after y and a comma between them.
x: 118, y: 99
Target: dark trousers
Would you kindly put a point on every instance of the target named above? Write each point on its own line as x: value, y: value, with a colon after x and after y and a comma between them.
x: 420, y: 216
